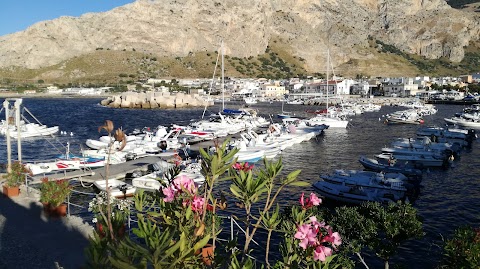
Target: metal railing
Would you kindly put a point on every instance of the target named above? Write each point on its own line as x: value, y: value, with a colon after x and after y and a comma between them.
x: 233, y: 224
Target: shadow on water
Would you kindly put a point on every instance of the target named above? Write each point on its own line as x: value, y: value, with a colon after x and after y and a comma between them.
x: 28, y: 240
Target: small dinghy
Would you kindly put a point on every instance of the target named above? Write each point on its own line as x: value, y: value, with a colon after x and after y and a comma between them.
x: 118, y: 188
x: 153, y: 181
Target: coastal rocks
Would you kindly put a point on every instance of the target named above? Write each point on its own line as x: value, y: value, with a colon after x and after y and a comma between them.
x: 155, y: 100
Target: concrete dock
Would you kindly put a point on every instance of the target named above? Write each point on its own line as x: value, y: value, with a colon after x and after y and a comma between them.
x: 116, y: 171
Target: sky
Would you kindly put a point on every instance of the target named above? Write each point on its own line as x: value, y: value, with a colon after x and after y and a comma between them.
x: 18, y: 15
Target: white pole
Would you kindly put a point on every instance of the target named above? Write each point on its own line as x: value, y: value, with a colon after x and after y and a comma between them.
x: 18, y: 103
x: 328, y: 65
x: 6, y: 105
x: 223, y: 79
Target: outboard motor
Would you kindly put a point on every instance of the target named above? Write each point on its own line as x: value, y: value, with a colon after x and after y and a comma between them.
x: 131, y: 156
x: 162, y: 145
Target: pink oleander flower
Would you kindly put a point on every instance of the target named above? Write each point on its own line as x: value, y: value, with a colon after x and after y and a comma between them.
x: 332, y: 237
x: 306, y: 235
x: 242, y: 167
x: 309, y: 202
x: 197, y: 203
x: 314, y: 200
x: 184, y: 183
x: 321, y: 253
x: 169, y: 194
x: 316, y: 224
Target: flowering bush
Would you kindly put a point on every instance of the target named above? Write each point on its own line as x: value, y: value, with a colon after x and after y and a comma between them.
x: 120, y: 211
x: 307, y: 241
x: 17, y: 175
x: 183, y: 195
x: 463, y: 250
x: 179, y: 220
x: 318, y: 237
x: 242, y: 167
x: 54, y: 192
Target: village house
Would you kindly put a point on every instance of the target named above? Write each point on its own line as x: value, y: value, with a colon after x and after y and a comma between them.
x: 400, y: 87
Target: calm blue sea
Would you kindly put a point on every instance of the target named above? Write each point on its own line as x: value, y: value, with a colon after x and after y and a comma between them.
x: 448, y: 198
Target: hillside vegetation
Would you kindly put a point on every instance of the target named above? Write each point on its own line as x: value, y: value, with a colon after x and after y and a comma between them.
x: 122, y: 67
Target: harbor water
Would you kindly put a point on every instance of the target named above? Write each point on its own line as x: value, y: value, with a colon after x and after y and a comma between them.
x: 448, y: 197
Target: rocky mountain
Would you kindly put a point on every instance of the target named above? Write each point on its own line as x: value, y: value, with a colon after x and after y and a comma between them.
x: 353, y: 31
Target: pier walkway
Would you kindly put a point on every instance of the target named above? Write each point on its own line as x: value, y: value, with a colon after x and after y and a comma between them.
x: 116, y: 171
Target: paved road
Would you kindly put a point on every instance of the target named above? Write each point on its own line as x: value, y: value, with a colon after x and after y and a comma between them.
x: 29, y: 240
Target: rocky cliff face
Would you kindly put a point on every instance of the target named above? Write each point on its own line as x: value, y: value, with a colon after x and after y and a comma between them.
x: 307, y: 27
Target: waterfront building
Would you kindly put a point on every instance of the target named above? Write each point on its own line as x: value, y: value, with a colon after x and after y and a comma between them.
x: 400, y: 87
x: 274, y: 90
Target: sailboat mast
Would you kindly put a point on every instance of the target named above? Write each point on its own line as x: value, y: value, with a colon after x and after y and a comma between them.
x: 328, y: 64
x: 223, y: 79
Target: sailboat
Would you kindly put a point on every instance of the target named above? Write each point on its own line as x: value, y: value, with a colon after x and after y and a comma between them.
x: 225, y: 110
x: 332, y: 121
x: 284, y: 114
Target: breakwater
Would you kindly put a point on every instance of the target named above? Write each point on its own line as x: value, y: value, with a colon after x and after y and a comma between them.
x: 452, y: 102
x: 378, y: 100
x: 155, y: 100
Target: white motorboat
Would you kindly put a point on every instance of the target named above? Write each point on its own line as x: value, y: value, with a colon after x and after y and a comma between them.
x: 19, y: 126
x: 356, y: 186
x: 118, y: 188
x: 416, y: 152
x: 246, y: 143
x: 425, y: 143
x: 392, y: 167
x: 149, y: 182
x: 53, y: 166
x: 405, y: 117
x: 420, y: 161
x: 250, y: 156
x: 356, y: 194
x: 28, y: 130
x: 154, y: 180
x: 329, y: 120
x: 250, y: 100
x: 298, y: 126
x: 464, y: 122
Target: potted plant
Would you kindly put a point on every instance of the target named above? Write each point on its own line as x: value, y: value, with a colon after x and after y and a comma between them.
x: 14, y: 179
x: 53, y: 194
x: 120, y: 213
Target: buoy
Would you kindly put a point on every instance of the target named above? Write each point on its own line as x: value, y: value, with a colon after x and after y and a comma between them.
x: 71, y: 133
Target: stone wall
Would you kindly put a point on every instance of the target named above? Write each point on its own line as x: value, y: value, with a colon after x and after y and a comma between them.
x: 155, y: 100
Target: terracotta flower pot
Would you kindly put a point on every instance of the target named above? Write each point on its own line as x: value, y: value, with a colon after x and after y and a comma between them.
x: 60, y: 211
x: 207, y: 254
x: 55, y: 212
x: 102, y: 230
x: 11, y: 191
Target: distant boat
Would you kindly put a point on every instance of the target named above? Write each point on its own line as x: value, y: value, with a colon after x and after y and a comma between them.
x: 118, y: 188
x: 250, y: 100
x: 295, y: 102
x: 284, y: 114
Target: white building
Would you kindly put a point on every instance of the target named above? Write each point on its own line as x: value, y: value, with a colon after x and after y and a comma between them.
x: 273, y: 90
x: 54, y: 90
x: 400, y: 87
x: 335, y: 87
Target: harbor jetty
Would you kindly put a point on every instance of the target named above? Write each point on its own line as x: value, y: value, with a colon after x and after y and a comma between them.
x: 155, y: 100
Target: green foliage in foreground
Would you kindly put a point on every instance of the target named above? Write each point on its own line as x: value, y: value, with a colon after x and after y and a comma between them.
x: 463, y: 250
